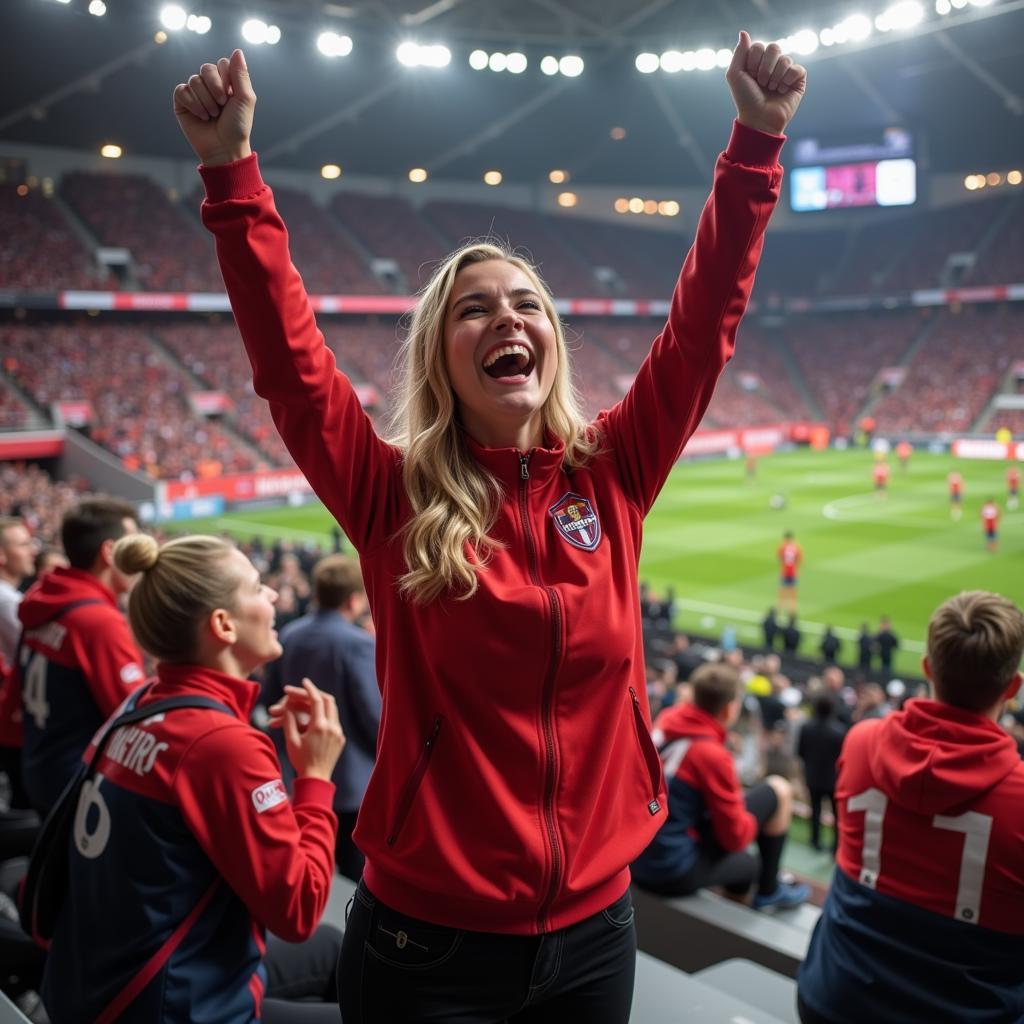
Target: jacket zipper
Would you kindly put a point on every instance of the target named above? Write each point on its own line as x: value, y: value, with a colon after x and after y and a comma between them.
x: 547, y: 700
x: 413, y: 783
x: 653, y: 805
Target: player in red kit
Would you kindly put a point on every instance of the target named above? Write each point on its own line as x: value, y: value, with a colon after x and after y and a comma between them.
x: 790, y: 555
x: 956, y: 495
x: 881, y: 476
x: 990, y: 521
x: 1012, y: 487
x: 925, y: 918
x: 903, y: 453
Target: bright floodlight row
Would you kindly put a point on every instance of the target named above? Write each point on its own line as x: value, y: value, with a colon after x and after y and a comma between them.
x: 174, y: 18
x: 514, y: 63
x: 898, y: 17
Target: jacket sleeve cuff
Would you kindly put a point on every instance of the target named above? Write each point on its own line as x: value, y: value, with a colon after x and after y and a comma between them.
x: 237, y: 180
x: 751, y: 147
x: 313, y: 791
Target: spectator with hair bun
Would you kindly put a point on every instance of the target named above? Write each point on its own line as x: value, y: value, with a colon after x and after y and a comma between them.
x: 186, y: 847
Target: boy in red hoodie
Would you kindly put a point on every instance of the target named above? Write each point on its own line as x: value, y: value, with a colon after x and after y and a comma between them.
x: 925, y: 918
x: 710, y: 820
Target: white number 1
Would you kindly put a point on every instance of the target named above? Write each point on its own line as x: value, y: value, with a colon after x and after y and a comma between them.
x: 976, y: 829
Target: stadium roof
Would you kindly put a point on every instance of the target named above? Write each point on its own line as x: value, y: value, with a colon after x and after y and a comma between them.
x: 78, y: 81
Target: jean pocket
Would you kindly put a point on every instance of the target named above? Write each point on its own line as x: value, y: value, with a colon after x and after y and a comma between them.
x: 620, y: 913
x: 408, y: 943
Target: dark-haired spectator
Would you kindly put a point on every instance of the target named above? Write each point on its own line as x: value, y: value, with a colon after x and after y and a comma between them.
x: 886, y: 642
x: 834, y: 681
x: 871, y: 703
x: 819, y: 746
x: 48, y: 559
x: 327, y: 647
x: 711, y: 821
x: 865, y: 649
x: 770, y: 625
x: 830, y: 646
x: 78, y: 659
x: 791, y: 636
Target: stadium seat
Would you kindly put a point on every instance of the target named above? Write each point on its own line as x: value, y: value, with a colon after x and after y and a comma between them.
x: 694, y: 932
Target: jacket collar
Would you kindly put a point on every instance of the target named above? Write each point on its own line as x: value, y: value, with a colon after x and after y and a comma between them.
x: 177, y: 680
x: 542, y: 464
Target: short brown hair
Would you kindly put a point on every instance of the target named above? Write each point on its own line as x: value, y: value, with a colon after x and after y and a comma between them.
x: 714, y: 686
x: 975, y: 643
x: 88, y: 524
x: 335, y: 579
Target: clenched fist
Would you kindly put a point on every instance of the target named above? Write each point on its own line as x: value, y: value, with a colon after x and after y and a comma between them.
x: 214, y: 109
x: 766, y: 85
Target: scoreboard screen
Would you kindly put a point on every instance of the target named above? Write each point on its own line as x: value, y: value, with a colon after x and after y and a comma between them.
x: 879, y: 171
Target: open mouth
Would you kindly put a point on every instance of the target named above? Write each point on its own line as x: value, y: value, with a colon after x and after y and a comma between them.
x: 512, y: 360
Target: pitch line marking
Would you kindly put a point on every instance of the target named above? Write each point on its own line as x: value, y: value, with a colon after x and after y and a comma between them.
x: 837, y: 510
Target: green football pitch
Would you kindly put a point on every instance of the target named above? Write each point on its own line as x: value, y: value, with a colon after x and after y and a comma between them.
x: 713, y: 535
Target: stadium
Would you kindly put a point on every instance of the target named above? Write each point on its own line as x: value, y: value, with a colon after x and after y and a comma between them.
x: 857, y: 465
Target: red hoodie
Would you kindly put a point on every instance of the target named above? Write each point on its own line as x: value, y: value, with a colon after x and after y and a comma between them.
x: 515, y: 778
x: 931, y: 802
x: 77, y: 663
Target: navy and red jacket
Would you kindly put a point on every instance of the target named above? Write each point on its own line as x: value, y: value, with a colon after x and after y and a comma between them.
x: 485, y: 810
x: 705, y: 801
x: 925, y: 917
x: 187, y: 826
x: 77, y: 662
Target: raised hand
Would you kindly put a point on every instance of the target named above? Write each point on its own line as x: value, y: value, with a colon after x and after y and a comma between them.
x: 312, y: 731
x: 214, y: 109
x: 766, y: 85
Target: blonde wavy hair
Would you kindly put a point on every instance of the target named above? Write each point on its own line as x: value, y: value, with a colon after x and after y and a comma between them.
x: 455, y: 501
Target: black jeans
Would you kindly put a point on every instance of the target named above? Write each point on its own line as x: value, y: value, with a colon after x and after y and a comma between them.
x: 395, y: 968
x: 817, y: 799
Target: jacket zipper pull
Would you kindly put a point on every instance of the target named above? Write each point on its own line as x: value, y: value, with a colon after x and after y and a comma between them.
x: 524, y: 467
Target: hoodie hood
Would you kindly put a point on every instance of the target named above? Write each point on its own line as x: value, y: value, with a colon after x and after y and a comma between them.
x: 932, y: 757
x: 686, y: 720
x: 58, y: 589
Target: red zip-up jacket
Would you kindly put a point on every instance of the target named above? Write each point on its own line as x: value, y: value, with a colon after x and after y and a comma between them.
x: 516, y: 778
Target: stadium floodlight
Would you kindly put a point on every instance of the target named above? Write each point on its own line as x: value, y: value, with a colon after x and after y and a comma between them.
x: 516, y: 63
x: 331, y: 44
x: 802, y: 43
x: 478, y: 60
x: 724, y: 57
x: 415, y: 55
x: 97, y: 8
x: 689, y: 61
x: 706, y: 58
x: 827, y: 37
x: 1014, y: 177
x: 408, y: 54
x: 671, y: 61
x: 492, y: 177
x: 330, y: 171
x: 567, y: 199
x: 943, y: 7
x: 418, y: 174
x: 621, y: 205
x: 900, y: 17
x: 549, y: 65
x: 571, y: 65
x: 111, y: 151
x: 958, y: 4
x: 636, y: 205
x: 854, y: 29
x: 273, y: 35
x: 980, y: 3
x: 255, y: 31
x: 668, y: 208
x: 200, y: 24
x: 557, y: 176
x: 173, y: 17
x: 647, y: 63
x: 497, y: 62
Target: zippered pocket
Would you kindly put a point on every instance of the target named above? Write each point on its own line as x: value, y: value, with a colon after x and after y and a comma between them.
x: 412, y: 784
x: 650, y: 756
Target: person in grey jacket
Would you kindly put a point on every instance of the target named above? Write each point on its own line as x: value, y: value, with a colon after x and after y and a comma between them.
x: 328, y: 647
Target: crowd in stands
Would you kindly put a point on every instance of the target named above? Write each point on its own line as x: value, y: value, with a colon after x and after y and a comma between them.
x: 954, y: 374
x: 169, y: 252
x: 139, y: 400
x: 38, y: 251
x: 14, y: 414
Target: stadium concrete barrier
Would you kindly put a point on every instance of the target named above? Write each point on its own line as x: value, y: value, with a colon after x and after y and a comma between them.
x: 695, y: 932
x: 775, y: 993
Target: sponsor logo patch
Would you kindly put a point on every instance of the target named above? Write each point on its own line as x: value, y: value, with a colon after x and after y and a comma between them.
x: 270, y: 794
x: 576, y: 520
x: 131, y: 673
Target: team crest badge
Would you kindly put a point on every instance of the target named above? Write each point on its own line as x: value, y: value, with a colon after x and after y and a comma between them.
x: 576, y: 520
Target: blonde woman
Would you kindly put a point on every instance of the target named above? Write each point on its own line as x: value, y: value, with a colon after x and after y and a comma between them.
x: 499, y: 535
x: 186, y: 846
